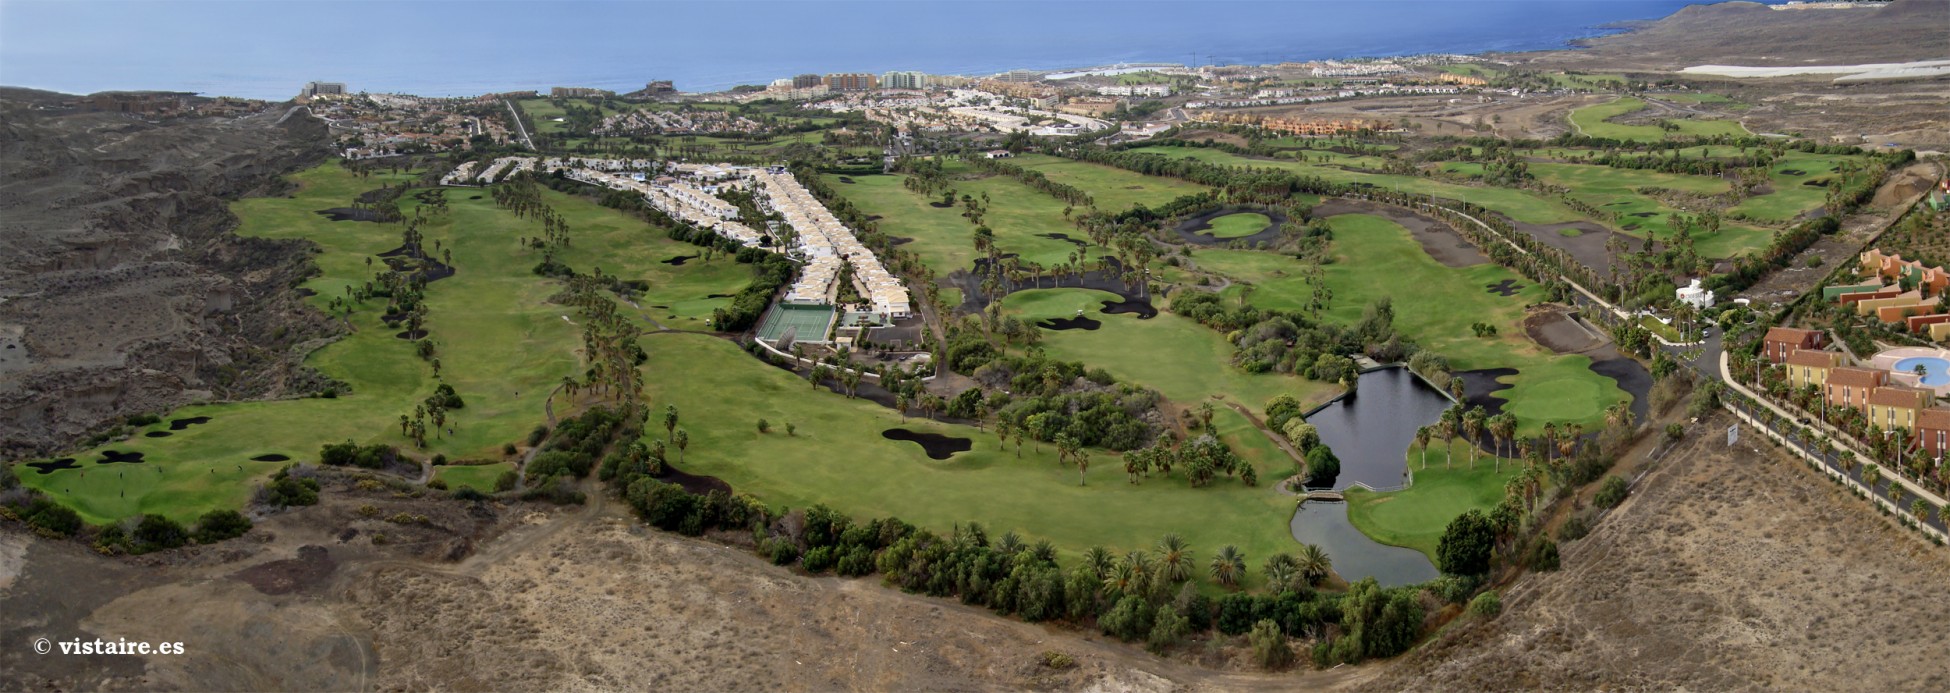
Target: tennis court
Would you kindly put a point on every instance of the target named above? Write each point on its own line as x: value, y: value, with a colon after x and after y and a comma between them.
x: 806, y: 323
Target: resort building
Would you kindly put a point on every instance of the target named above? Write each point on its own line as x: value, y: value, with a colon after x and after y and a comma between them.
x: 1135, y: 90
x: 828, y: 247
x: 1896, y: 407
x: 852, y: 81
x: 1809, y: 367
x: 1933, y: 431
x: 904, y: 79
x: 1850, y: 387
x: 1782, y: 341
x: 1696, y: 296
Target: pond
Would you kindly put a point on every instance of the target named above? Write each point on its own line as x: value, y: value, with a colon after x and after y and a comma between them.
x: 1372, y: 429
x: 1355, y: 556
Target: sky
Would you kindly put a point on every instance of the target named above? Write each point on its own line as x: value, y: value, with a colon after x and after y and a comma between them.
x: 268, y: 49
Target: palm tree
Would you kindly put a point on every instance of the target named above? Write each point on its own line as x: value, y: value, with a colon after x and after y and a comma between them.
x: 1449, y: 423
x: 1098, y: 560
x: 670, y: 420
x: 1422, y: 436
x: 1281, y: 573
x: 1120, y: 580
x: 684, y: 441
x: 1229, y: 566
x: 1473, y: 425
x: 1175, y: 559
x: 1313, y: 563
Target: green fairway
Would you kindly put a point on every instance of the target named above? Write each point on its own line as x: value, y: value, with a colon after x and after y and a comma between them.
x: 1595, y: 121
x: 1792, y: 196
x: 503, y: 347
x: 1615, y: 191
x: 1186, y: 361
x: 479, y: 477
x: 543, y: 112
x: 1518, y: 204
x: 1111, y: 189
x: 1416, y: 516
x: 1237, y: 225
x: 1022, y: 219
x: 1435, y: 305
x: 839, y: 458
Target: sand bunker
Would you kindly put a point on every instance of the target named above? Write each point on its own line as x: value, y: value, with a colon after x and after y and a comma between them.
x: 938, y: 446
x: 1076, y: 323
x: 50, y: 466
x: 114, y: 456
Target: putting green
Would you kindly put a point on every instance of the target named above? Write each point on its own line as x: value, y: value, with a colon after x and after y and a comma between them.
x: 1238, y: 225
x: 1415, y: 517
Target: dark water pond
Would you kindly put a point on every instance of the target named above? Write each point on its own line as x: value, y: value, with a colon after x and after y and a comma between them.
x: 1372, y: 429
x: 1324, y: 524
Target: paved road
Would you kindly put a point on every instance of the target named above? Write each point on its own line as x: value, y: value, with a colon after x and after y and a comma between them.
x: 518, y: 126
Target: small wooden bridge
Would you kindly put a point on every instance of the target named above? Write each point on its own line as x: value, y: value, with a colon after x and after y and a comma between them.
x: 1322, y: 496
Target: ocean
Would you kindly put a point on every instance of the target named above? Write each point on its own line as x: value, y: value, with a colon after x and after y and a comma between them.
x: 270, y: 49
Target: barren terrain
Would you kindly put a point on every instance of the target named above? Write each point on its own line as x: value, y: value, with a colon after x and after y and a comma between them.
x: 124, y: 291
x: 1727, y: 569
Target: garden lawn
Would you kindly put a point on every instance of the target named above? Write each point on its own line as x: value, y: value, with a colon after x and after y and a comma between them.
x: 1111, y: 189
x: 1517, y: 204
x: 839, y: 458
x: 1415, y: 517
x: 1435, y: 305
x: 1595, y: 121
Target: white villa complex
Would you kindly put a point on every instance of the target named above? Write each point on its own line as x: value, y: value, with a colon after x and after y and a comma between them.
x: 826, y: 244
x: 689, y: 192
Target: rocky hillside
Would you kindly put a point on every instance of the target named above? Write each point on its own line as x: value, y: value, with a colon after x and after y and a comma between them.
x: 1747, y: 33
x: 124, y: 290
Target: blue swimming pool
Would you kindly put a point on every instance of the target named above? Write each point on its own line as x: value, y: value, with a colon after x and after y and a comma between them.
x: 1936, y: 371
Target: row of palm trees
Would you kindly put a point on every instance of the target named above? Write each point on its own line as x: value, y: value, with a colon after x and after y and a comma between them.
x: 1473, y: 422
x: 1172, y: 562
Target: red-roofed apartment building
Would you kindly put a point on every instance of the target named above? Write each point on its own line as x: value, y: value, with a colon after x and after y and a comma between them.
x: 1782, y: 341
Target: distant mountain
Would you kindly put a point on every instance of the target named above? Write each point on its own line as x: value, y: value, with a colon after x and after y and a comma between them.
x: 1748, y: 33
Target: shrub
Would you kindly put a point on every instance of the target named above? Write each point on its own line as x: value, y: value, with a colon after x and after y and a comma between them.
x: 1237, y: 612
x: 1486, y: 605
x: 155, y: 532
x: 1129, y: 620
x: 1269, y: 645
x: 819, y: 559
x: 1056, y: 660
x: 1543, y: 555
x: 286, y: 490
x: 506, y: 482
x: 469, y: 493
x: 1466, y: 545
x: 437, y: 484
x: 218, y: 525
x: 781, y: 551
x: 1675, y: 431
x: 51, y: 517
x: 764, y: 426
x: 1167, y: 630
x: 1611, y: 492
x: 1574, y: 528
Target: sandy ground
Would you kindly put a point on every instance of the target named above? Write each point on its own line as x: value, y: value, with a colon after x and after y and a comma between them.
x: 1728, y: 569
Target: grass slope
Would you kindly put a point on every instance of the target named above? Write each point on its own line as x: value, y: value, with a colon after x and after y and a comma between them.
x: 1595, y: 120
x: 945, y: 240
x: 1416, y: 516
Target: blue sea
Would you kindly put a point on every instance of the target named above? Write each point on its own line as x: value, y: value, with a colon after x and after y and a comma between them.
x: 269, y: 49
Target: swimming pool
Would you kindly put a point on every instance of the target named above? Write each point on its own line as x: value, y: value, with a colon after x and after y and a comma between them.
x: 1936, y: 371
